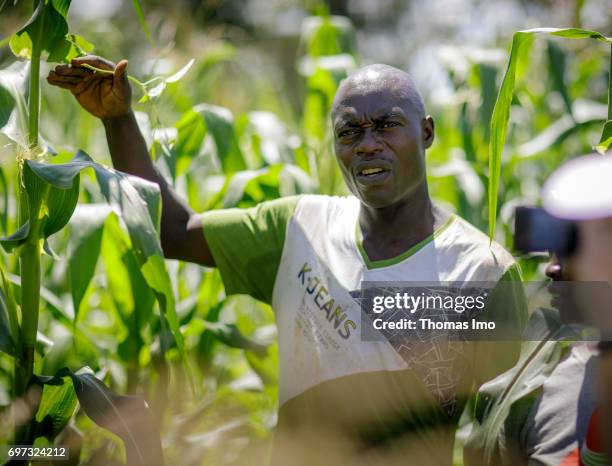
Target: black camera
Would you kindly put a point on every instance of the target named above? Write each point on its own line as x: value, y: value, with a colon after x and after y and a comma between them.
x: 535, y: 230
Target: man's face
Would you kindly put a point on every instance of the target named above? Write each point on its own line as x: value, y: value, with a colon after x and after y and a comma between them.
x: 380, y: 144
x: 561, y: 290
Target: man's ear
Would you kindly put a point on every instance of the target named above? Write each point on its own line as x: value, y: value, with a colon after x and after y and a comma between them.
x: 428, y: 131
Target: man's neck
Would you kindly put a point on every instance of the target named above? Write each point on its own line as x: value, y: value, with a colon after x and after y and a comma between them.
x: 391, y: 230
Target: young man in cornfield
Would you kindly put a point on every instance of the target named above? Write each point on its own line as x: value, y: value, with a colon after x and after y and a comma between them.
x: 342, y: 400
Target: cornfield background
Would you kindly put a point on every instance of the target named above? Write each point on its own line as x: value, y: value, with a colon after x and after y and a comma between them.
x: 239, y: 115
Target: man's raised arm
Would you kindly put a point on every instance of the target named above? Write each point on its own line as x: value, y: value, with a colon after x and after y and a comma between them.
x: 108, y: 97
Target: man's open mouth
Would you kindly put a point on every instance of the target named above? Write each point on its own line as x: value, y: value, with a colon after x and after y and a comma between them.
x: 371, y: 171
x: 372, y: 175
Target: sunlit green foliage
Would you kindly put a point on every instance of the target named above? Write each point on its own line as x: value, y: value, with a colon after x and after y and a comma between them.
x: 226, y: 134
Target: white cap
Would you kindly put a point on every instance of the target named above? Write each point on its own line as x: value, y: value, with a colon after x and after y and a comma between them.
x: 580, y: 189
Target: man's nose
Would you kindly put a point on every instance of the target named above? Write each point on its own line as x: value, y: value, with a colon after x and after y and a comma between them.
x: 553, y: 269
x: 369, y: 143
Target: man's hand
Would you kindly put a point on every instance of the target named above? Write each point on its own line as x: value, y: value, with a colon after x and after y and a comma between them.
x: 107, y: 96
x: 102, y: 95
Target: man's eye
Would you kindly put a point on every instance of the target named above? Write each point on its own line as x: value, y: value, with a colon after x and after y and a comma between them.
x: 348, y: 132
x: 388, y: 124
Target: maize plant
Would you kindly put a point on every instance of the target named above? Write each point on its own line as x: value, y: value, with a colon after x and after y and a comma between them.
x: 127, y: 358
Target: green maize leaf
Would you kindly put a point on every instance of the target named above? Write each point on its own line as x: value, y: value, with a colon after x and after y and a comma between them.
x: 128, y: 417
x: 269, y: 138
x: 522, y: 66
x: 57, y: 405
x: 264, y: 187
x: 62, y: 175
x: 249, y: 187
x: 328, y: 35
x: 191, y: 131
x: 9, y: 339
x: 43, y: 341
x: 115, y: 245
x: 7, y: 104
x: 152, y: 93
x: 86, y: 228
x: 7, y: 343
x: 586, y: 114
x: 141, y: 19
x: 49, y: 379
x: 229, y: 335
x: 11, y: 242
x: 294, y: 180
x: 220, y: 124
x: 73, y: 46
x: 207, y: 340
x: 571, y: 33
x: 13, y: 105
x: 321, y: 90
x: 61, y: 6
x: 36, y: 189
x: 218, y: 185
x: 82, y: 45
x: 130, y: 293
x: 149, y: 192
x: 324, y: 38
x: 487, y: 76
x: 128, y: 350
x: 46, y: 31
x: 467, y: 133
x: 265, y: 367
x: 180, y: 73
x: 4, y: 187
x: 155, y: 273
x: 71, y: 350
x: 238, y: 183
x: 542, y: 349
x: 134, y: 200
x: 556, y: 61
x: 49, y: 251
x: 141, y: 293
x: 58, y: 204
x: 21, y: 43
x: 501, y: 111
x: 126, y: 194
x: 606, y: 139
x: 327, y: 42
x: 324, y: 82
x: 158, y: 89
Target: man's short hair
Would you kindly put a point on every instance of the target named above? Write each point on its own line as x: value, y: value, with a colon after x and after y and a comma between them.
x: 383, y: 77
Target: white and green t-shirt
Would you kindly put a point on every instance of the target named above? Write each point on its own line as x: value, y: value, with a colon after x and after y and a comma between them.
x: 377, y: 400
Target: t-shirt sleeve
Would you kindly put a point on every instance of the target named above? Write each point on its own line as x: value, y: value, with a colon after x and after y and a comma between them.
x: 507, y: 307
x: 247, y: 245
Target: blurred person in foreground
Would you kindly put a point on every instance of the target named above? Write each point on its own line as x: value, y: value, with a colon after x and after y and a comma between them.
x: 558, y: 423
x: 581, y: 191
x: 342, y: 400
